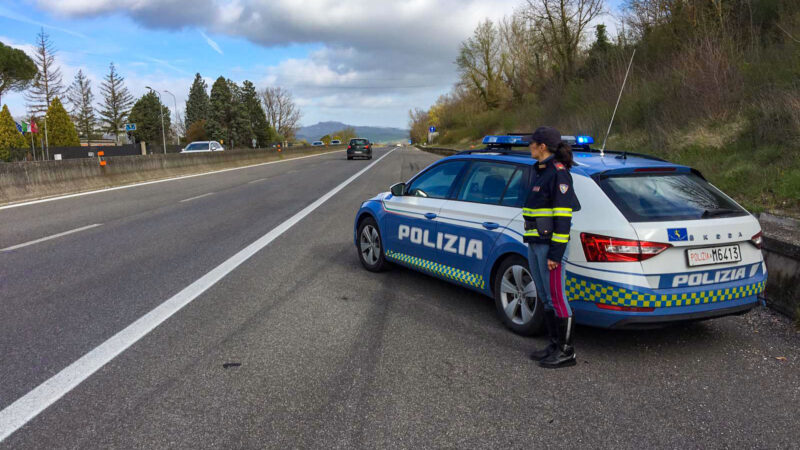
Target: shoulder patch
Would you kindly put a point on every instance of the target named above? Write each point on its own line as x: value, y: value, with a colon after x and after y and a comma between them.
x: 563, y: 188
x: 559, y: 166
x: 537, y: 188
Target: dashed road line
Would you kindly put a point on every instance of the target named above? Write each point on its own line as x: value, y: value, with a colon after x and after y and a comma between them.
x: 47, y: 238
x: 196, y: 197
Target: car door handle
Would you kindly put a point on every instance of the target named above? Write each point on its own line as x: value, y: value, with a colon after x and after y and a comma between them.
x: 430, y: 215
x: 490, y: 225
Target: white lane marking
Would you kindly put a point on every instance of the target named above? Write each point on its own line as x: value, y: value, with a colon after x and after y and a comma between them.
x: 257, y: 181
x: 47, y: 238
x: 34, y: 402
x: 196, y: 197
x: 145, y: 183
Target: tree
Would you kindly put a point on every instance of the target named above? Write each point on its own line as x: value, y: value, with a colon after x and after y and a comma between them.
x: 241, y: 130
x: 197, y: 103
x: 255, y: 113
x: 47, y: 83
x: 282, y: 113
x: 81, y: 99
x: 326, y: 139
x: 418, y: 125
x: 61, y: 131
x: 561, y: 25
x: 146, y: 114
x: 10, y: 137
x: 197, y: 132
x: 219, y: 114
x: 346, y: 134
x: 17, y: 69
x: 117, y: 102
x: 481, y: 62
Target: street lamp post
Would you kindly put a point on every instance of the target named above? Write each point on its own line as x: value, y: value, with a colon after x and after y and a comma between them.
x: 175, y: 101
x: 161, y: 110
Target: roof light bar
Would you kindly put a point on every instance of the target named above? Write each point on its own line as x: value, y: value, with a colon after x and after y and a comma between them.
x: 504, y: 140
x: 584, y: 140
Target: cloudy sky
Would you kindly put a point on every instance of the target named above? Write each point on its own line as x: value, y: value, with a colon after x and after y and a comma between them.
x: 363, y: 62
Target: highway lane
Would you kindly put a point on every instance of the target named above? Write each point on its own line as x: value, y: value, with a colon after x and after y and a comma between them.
x: 334, y: 356
x: 64, y: 296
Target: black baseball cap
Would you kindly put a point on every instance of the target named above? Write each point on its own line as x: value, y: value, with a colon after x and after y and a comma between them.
x: 545, y: 135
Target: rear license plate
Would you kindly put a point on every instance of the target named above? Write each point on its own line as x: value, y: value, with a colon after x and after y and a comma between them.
x: 713, y: 255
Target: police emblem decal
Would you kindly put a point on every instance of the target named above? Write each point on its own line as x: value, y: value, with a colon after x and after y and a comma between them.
x: 563, y: 188
x: 677, y: 234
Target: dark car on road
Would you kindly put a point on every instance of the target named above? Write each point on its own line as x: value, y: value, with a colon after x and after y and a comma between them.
x: 359, y: 147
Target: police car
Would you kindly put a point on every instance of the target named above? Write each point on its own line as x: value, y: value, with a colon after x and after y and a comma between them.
x: 654, y: 242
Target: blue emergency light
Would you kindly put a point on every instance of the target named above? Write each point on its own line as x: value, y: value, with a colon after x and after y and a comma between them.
x: 504, y: 140
x: 584, y: 140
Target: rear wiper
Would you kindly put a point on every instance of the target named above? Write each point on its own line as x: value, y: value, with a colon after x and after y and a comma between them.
x: 719, y: 212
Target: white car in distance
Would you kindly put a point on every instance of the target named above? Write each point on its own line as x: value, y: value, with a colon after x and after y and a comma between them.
x: 203, y: 146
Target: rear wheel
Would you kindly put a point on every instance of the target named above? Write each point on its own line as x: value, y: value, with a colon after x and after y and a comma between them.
x: 370, y: 246
x: 349, y: 157
x: 516, y: 298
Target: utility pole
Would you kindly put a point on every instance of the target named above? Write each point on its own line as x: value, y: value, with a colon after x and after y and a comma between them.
x: 161, y: 110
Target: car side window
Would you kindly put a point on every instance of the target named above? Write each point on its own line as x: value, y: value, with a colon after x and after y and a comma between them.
x: 516, y: 191
x: 437, y: 181
x: 486, y: 182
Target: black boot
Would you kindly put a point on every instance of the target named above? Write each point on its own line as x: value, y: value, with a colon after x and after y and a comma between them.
x: 564, y: 356
x: 552, y: 333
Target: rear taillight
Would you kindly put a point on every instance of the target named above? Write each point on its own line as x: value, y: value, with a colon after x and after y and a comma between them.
x: 610, y: 249
x: 757, y: 240
x: 366, y: 147
x: 349, y: 147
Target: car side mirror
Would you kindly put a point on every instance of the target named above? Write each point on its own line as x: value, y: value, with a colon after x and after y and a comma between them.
x: 398, y: 190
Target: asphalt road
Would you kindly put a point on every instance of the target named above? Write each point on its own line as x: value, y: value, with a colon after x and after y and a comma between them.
x: 301, y: 347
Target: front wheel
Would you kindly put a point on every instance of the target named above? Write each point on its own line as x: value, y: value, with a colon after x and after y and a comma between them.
x: 370, y: 247
x: 516, y: 298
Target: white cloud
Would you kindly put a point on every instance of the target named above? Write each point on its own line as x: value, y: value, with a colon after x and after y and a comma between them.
x: 211, y: 43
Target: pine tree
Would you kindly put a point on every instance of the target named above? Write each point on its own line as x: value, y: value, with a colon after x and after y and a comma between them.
x: 147, y: 117
x: 218, y: 126
x: 17, y: 69
x: 117, y: 102
x: 255, y: 114
x: 81, y: 99
x: 197, y: 103
x: 10, y: 137
x: 47, y: 84
x: 241, y: 131
x: 61, y: 131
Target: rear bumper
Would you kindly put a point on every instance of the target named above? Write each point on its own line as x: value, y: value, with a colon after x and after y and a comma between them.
x: 359, y: 153
x: 588, y: 313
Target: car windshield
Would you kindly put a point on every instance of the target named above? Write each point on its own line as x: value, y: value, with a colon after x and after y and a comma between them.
x: 359, y: 142
x: 662, y: 197
x: 197, y: 146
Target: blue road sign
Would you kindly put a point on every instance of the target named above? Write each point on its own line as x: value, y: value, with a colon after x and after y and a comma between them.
x: 130, y: 127
x: 432, y: 129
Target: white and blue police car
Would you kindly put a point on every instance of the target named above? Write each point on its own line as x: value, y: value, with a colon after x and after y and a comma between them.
x: 654, y: 242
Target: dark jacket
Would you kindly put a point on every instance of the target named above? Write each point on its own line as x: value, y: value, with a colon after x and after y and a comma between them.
x: 549, y: 207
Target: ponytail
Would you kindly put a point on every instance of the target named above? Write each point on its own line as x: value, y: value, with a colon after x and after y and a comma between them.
x: 563, y: 154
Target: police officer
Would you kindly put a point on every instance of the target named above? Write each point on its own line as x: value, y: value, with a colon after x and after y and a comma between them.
x: 548, y: 217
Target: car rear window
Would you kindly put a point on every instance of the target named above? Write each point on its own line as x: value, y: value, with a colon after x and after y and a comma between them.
x: 661, y: 197
x: 359, y: 142
x: 191, y: 147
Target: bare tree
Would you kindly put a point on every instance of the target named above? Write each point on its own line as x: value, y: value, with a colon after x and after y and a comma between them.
x: 561, y: 25
x: 81, y: 98
x: 641, y: 15
x: 117, y: 102
x: 47, y: 84
x: 481, y: 62
x: 282, y: 113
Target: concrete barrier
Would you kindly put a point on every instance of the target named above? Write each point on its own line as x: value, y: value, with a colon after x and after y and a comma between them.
x: 29, y: 180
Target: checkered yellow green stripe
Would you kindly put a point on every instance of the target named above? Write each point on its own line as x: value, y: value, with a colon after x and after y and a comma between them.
x: 452, y: 273
x: 588, y: 291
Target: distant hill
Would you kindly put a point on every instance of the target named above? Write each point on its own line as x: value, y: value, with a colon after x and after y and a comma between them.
x: 375, y: 134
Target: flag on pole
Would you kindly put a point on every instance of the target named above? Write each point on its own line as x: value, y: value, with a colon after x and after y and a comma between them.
x: 33, y: 127
x: 19, y: 127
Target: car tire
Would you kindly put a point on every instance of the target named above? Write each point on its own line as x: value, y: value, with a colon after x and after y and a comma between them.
x: 512, y: 283
x: 370, y: 246
x: 349, y: 158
